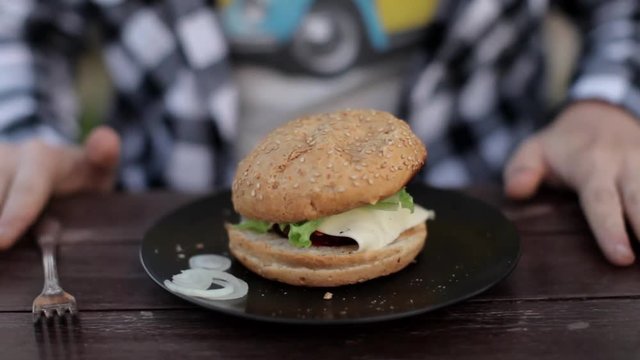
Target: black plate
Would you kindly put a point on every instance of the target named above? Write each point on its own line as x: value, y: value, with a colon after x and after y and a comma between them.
x: 470, y: 247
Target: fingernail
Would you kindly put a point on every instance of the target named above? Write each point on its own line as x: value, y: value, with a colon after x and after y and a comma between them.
x: 623, y: 252
x: 4, y: 243
x: 520, y: 171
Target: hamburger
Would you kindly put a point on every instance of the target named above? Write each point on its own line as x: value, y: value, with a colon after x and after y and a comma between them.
x: 323, y: 200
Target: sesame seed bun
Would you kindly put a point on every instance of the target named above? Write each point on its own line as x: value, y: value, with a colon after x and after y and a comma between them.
x: 325, y: 164
x: 272, y: 257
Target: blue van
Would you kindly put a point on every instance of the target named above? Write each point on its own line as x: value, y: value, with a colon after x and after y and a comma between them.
x: 323, y: 36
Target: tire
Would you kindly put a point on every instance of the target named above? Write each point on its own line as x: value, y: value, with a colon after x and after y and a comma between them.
x: 329, y: 39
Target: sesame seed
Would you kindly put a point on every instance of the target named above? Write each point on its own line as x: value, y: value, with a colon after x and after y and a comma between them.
x: 353, y: 177
x: 302, y: 159
x: 296, y: 185
x: 370, y: 181
x: 312, y: 180
x: 257, y: 185
x: 329, y: 166
x: 259, y: 196
x: 253, y: 193
x: 356, y: 184
x: 340, y: 189
x: 359, y: 168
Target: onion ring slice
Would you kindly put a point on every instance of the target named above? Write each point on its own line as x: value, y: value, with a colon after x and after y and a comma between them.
x: 210, y: 262
x: 195, y: 282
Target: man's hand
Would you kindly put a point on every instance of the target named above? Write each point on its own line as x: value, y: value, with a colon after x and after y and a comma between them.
x: 594, y: 148
x: 32, y: 172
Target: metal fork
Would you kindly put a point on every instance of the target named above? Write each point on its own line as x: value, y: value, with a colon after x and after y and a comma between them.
x: 53, y: 300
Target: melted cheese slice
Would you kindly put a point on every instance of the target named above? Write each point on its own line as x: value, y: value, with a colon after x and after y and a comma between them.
x: 373, y: 229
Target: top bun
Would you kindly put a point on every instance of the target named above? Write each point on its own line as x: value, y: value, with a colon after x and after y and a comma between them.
x: 325, y: 164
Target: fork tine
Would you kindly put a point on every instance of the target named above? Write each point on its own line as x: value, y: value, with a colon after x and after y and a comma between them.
x: 48, y: 313
x: 60, y: 310
x: 37, y: 315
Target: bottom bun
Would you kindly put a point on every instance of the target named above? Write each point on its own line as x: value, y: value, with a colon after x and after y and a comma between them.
x: 272, y: 257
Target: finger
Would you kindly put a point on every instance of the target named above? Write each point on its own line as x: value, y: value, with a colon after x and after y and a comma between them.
x: 629, y: 187
x: 27, y: 194
x: 5, y: 181
x: 525, y: 170
x: 7, y: 170
x: 92, y: 167
x: 103, y: 148
x: 102, y: 153
x: 603, y: 208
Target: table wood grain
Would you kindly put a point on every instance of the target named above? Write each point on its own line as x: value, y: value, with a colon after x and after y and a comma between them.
x: 563, y: 301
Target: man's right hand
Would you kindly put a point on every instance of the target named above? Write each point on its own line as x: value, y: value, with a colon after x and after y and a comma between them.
x: 33, y: 171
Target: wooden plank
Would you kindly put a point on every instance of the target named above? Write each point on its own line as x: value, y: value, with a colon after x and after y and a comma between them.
x: 112, y: 216
x: 550, y: 211
x: 109, y: 276
x: 597, y: 329
x: 125, y: 217
x: 99, y: 276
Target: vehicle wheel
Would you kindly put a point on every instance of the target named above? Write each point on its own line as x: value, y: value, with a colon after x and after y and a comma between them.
x: 329, y: 38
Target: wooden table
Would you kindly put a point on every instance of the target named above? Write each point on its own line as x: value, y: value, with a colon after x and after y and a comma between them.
x: 562, y: 302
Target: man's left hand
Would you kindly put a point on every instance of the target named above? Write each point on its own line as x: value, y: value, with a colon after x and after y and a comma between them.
x: 593, y: 148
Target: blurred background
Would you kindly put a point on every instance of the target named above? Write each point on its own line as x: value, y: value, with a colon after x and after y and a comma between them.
x: 269, y: 61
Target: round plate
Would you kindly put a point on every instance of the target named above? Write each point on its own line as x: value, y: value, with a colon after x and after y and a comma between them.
x: 470, y: 247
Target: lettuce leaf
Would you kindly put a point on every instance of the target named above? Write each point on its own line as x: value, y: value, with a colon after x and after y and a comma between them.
x: 300, y: 233
x: 406, y: 200
x: 401, y: 199
x: 255, y: 225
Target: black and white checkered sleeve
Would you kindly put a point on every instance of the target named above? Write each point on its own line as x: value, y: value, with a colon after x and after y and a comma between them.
x: 609, y: 69
x: 36, y: 87
x: 176, y: 102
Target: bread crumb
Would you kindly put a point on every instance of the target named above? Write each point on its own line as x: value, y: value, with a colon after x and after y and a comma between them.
x: 328, y: 296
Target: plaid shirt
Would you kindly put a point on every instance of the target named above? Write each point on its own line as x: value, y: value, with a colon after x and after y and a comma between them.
x: 478, y: 91
x: 476, y: 94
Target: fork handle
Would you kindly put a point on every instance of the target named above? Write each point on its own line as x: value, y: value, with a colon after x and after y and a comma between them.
x: 47, y: 233
x: 51, y: 283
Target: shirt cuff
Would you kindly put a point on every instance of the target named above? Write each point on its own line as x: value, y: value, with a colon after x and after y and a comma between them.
x: 614, y: 89
x: 44, y: 132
